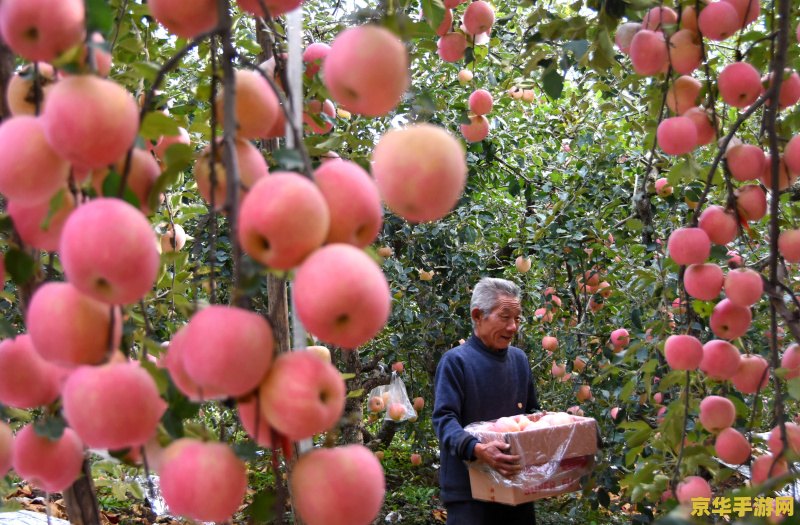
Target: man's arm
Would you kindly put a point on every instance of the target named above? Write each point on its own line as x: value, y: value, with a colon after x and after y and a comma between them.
x: 449, y: 392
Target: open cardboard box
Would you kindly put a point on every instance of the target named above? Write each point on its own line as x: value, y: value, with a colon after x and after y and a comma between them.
x: 554, y: 459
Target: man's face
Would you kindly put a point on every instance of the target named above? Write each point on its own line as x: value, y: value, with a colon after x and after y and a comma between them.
x: 497, y: 329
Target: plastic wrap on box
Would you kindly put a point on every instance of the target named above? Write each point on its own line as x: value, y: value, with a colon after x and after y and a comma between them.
x: 556, y: 449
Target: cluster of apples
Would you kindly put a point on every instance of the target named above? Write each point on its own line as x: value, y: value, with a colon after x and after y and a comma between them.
x: 660, y: 42
x: 477, y: 22
x: 480, y: 104
x: 591, y: 284
x: 523, y: 422
x: 395, y: 410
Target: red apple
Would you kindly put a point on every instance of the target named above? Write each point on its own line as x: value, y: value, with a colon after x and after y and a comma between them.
x: 743, y: 286
x: 732, y: 447
x: 703, y: 281
x: 718, y: 21
x: 717, y: 413
x: 720, y: 359
x: 51, y: 465
x: 739, y: 83
x: 27, y: 380
x: 42, y: 29
x: 752, y: 375
x: 689, y: 246
x: 478, y: 17
x: 729, y: 320
x: 692, y: 487
x: 719, y: 224
x: 683, y: 352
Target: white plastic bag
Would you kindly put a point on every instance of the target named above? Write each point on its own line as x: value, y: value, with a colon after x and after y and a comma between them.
x: 395, y: 400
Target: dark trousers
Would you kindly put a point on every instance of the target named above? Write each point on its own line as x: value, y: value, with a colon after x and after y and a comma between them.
x: 488, y: 513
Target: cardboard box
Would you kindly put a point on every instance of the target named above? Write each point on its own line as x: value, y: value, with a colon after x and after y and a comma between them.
x: 553, y: 458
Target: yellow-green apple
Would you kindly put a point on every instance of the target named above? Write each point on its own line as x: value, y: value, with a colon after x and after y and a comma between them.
x: 6, y: 441
x: 202, y: 481
x: 415, y: 459
x: 791, y: 361
x: 789, y: 245
x: 753, y: 374
x: 342, y: 296
x: 256, y: 105
x: 732, y: 447
x: 692, y: 487
x: 677, y: 135
x: 379, y: 454
x: 252, y: 167
x: 658, y: 17
x: 746, y: 162
x: 620, y: 337
x: 185, y: 18
x: 32, y: 170
x: 302, y: 395
x: 703, y: 281
x: 648, y: 52
x: 751, y: 202
x: 21, y: 93
x: 743, y: 286
x: 118, y: 271
x: 422, y: 187
x: 275, y: 7
x: 49, y: 464
x: 357, y: 475
x: 316, y: 109
x: 663, y: 189
x: 515, y: 92
x: 174, y: 239
x: 624, y: 35
x: 480, y: 102
x: 717, y: 413
x: 314, y: 56
x: 718, y: 20
x: 720, y: 359
x: 376, y: 404
x: 366, y: 70
x: 99, y: 135
x: 683, y: 94
x: 253, y: 421
x: 164, y: 142
x: 282, y: 220
x: 64, y: 325
x: 550, y: 343
x: 719, y: 224
x: 419, y: 404
x: 685, y: 53
x: 478, y: 17
x: 27, y: 380
x: 767, y: 467
x: 689, y: 246
x: 112, y: 406
x: 683, y: 352
x: 701, y: 118
x: 584, y: 393
x: 477, y: 129
x: 729, y: 320
x: 34, y: 224
x: 142, y: 175
x: 528, y: 96
x: 227, y: 349
x: 173, y: 362
x: 42, y: 29
x: 396, y: 411
x: 465, y: 75
x: 739, y: 83
x: 353, y: 201
x: 451, y: 47
x: 320, y: 351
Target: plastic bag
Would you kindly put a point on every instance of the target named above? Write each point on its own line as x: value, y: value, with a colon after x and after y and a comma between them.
x: 555, y: 448
x: 394, y: 400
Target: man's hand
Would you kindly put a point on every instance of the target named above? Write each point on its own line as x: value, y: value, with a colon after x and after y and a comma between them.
x: 492, y: 454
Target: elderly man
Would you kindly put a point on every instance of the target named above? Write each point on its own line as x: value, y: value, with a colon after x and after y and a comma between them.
x: 483, y: 379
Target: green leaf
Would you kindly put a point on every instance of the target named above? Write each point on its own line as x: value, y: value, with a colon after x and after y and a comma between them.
x: 433, y: 11
x: 553, y: 83
x: 19, y: 265
x: 355, y: 393
x: 99, y: 16
x: 288, y: 159
x: 111, y: 185
x: 793, y: 387
x: 50, y: 427
x: 246, y: 450
x: 578, y: 48
x: 157, y: 124
x: 56, y: 203
x: 261, y: 510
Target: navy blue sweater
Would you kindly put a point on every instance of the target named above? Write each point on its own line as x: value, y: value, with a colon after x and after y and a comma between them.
x: 473, y: 384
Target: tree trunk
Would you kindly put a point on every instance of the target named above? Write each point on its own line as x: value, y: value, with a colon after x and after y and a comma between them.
x: 81, y: 500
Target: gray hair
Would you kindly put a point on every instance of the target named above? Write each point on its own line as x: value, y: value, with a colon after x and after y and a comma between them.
x: 488, y: 291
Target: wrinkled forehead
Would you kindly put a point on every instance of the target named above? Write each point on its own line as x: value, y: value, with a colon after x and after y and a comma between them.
x: 507, y: 304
